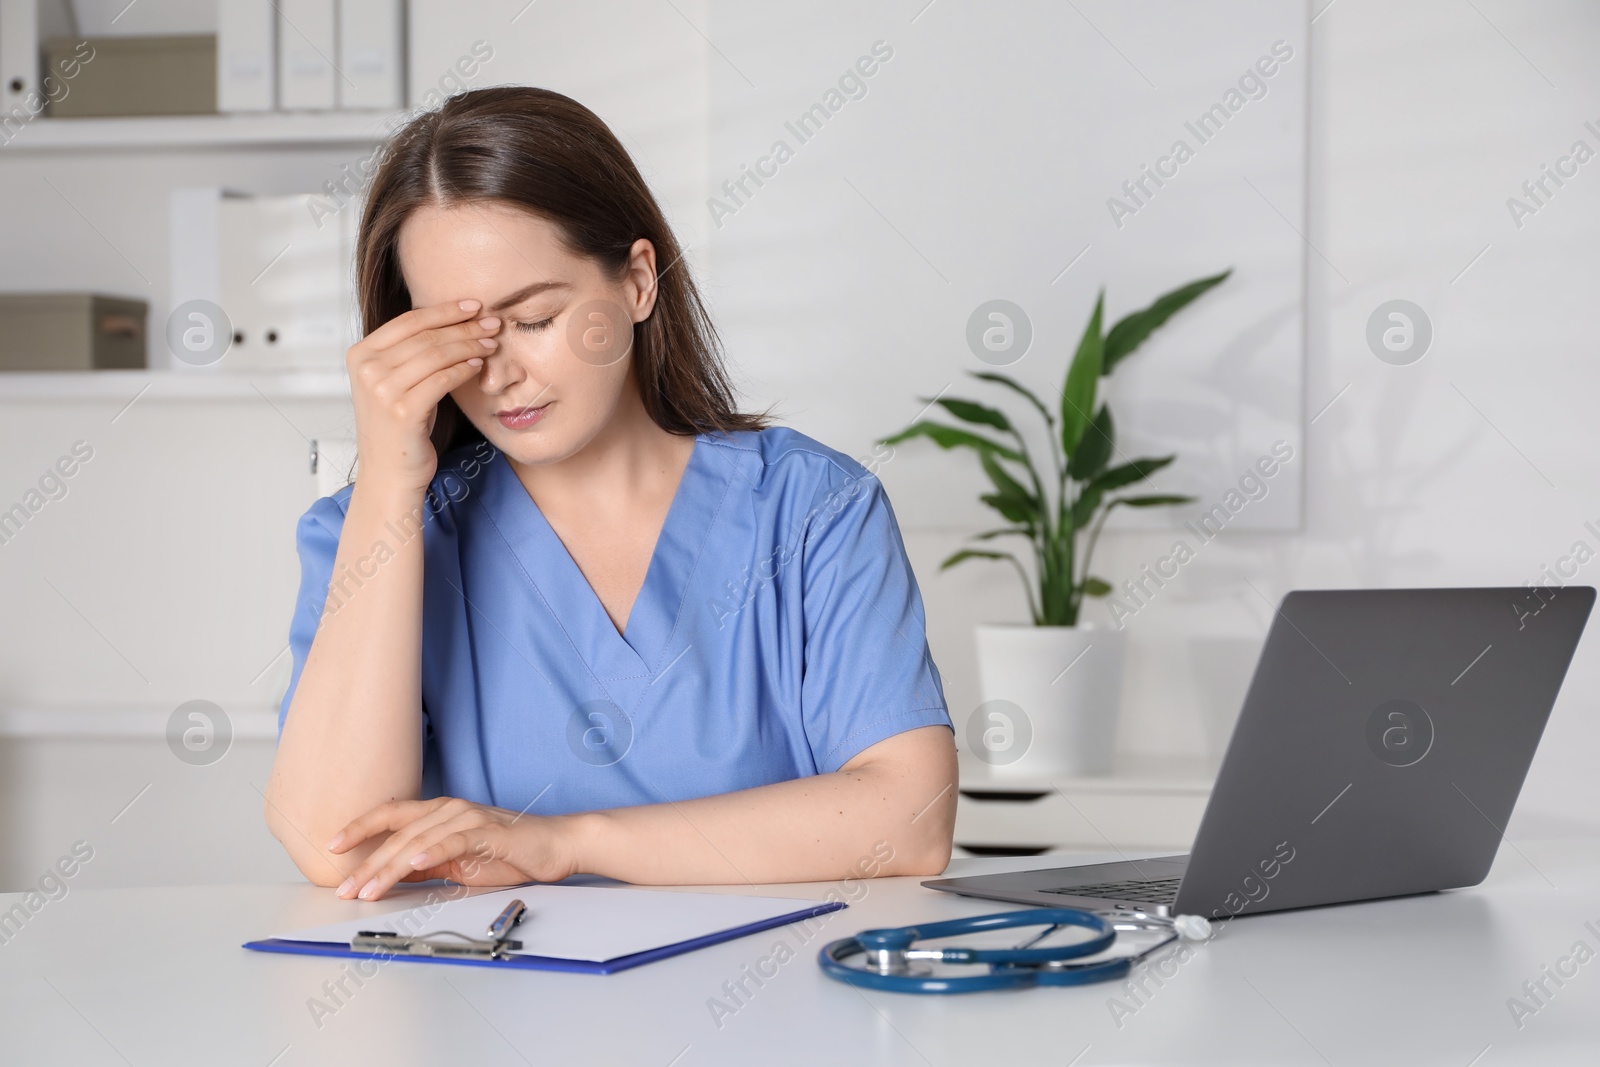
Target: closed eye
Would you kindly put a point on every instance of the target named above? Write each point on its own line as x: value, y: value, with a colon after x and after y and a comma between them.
x: 534, y: 327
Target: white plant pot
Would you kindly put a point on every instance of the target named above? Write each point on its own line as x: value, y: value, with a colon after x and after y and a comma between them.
x: 1050, y: 699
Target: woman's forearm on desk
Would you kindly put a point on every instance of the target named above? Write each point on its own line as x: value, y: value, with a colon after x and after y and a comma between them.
x: 352, y: 738
x: 892, y: 808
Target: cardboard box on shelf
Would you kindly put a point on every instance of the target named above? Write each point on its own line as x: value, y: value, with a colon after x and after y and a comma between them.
x: 154, y: 75
x: 71, y: 332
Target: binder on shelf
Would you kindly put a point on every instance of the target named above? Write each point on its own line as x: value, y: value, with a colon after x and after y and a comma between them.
x: 247, y: 59
x: 306, y: 55
x: 285, y: 283
x: 371, y: 53
x: 19, y: 55
x: 194, y: 250
x: 277, y: 266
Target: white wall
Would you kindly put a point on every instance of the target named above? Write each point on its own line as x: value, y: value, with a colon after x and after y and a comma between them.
x: 177, y: 539
x: 980, y: 160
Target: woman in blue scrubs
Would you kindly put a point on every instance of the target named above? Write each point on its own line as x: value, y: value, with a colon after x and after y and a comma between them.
x: 577, y: 614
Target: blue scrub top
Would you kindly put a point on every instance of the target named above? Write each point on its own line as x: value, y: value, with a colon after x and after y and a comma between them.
x: 779, y: 632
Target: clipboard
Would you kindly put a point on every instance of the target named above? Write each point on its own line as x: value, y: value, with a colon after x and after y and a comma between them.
x: 582, y: 929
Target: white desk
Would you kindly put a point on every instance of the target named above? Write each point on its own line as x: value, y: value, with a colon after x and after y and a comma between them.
x: 157, y: 977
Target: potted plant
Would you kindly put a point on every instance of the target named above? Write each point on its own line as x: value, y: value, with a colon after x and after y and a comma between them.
x: 1051, y: 687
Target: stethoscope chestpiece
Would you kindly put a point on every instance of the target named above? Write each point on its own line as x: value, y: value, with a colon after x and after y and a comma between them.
x: 885, y: 950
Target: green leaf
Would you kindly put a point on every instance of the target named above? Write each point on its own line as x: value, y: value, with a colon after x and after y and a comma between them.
x: 968, y: 411
x: 951, y: 437
x: 1153, y: 501
x: 1013, y: 509
x: 1096, y: 587
x: 1017, y: 387
x: 1077, y: 399
x: 1084, y: 507
x: 1094, y: 451
x: 1008, y: 486
x: 989, y: 535
x: 1128, y: 473
x: 1012, y: 499
x: 1130, y: 332
x: 973, y: 553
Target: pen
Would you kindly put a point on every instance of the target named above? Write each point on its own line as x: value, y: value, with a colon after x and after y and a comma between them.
x: 507, y: 919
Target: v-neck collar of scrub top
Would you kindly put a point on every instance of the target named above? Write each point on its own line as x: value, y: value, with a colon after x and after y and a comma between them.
x: 567, y: 594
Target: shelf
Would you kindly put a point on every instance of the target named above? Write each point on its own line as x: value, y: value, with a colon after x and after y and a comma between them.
x: 122, y: 386
x: 274, y: 129
x: 1133, y: 774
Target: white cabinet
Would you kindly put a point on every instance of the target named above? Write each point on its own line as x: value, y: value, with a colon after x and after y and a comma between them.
x: 1146, y: 803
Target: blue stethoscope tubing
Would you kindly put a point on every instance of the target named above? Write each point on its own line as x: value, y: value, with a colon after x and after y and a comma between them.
x: 888, y: 953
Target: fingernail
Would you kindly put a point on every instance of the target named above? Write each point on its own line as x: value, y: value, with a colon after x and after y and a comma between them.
x: 469, y: 305
x: 419, y: 860
x: 345, y: 887
x: 489, y: 342
x: 368, y: 890
x: 489, y: 323
x: 335, y: 842
x: 474, y: 362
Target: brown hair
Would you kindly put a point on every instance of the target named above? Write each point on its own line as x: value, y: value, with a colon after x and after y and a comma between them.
x: 548, y: 154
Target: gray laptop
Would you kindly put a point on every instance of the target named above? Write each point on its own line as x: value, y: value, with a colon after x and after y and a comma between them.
x: 1379, y: 752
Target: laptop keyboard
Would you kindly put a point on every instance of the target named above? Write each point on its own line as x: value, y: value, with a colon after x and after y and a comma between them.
x: 1153, y: 891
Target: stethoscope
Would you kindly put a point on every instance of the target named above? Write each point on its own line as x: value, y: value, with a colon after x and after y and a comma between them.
x: 887, y: 959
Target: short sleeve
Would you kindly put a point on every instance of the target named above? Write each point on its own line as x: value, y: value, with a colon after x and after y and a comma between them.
x: 317, y: 542
x: 868, y: 674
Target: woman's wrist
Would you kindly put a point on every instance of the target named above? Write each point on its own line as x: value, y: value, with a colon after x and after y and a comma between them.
x: 579, y: 840
x: 387, y: 495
